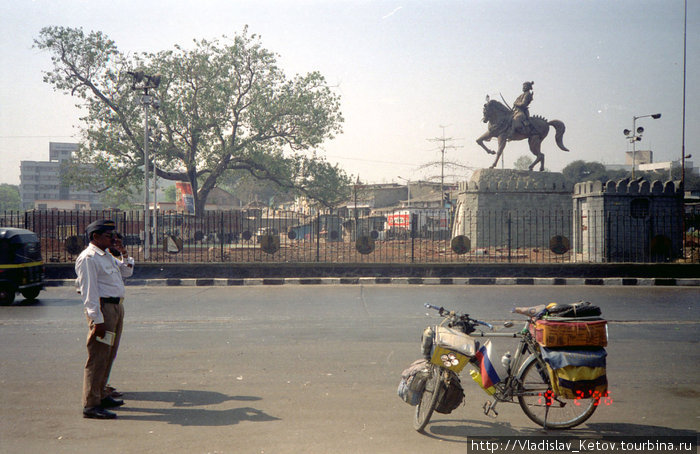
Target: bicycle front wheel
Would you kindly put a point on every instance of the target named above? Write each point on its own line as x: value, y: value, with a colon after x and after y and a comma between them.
x: 544, y: 408
x: 428, y: 401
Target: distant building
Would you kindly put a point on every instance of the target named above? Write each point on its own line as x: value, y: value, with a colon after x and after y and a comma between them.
x: 639, y: 157
x: 41, y: 181
x: 644, y: 162
x: 80, y: 205
x: 667, y: 166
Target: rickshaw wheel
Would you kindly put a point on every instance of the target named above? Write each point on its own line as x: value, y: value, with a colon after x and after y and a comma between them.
x: 7, y: 295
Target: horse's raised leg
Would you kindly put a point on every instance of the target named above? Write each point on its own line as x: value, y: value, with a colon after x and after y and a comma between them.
x: 485, y: 138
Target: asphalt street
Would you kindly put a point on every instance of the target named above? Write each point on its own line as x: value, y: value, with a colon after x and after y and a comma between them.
x: 314, y: 369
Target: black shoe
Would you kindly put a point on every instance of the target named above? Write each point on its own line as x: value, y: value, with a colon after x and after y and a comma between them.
x: 111, y: 402
x: 112, y: 391
x: 98, y: 413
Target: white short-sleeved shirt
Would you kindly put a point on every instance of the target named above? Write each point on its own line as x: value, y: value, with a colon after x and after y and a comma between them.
x: 100, y: 275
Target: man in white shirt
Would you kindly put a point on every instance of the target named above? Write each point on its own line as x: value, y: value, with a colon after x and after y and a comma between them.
x: 100, y: 282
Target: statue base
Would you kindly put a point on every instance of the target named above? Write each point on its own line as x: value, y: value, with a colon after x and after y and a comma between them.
x: 513, y: 208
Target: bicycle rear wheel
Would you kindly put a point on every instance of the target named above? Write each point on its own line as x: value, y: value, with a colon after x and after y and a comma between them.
x: 544, y: 408
x: 432, y: 392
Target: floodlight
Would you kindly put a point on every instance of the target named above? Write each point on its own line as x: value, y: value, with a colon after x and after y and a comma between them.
x: 626, y: 132
x: 137, y: 75
x: 154, y: 81
x: 640, y: 130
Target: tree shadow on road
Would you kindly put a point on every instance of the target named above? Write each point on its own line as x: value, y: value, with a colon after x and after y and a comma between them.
x: 182, y: 412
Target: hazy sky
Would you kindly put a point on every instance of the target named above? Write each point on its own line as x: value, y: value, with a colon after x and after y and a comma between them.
x: 403, y: 70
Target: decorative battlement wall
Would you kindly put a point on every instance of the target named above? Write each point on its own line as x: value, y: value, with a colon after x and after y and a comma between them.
x: 628, y: 219
x: 513, y: 208
x: 628, y: 187
x: 495, y: 180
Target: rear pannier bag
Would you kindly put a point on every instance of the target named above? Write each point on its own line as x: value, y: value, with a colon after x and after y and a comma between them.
x: 577, y: 373
x: 412, y: 382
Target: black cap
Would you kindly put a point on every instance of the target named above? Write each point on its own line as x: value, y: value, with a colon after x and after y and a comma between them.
x: 103, y: 225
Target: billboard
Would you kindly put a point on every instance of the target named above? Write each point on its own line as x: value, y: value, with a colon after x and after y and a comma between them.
x: 185, y: 199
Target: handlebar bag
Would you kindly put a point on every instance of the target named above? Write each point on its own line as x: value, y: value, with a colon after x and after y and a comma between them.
x: 452, y: 349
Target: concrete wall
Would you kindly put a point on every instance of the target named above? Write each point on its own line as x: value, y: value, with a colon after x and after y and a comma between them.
x: 624, y: 221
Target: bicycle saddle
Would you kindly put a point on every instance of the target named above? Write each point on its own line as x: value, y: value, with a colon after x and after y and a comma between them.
x: 529, y: 311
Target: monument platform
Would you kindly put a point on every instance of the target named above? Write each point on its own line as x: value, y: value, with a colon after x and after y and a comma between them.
x: 513, y: 208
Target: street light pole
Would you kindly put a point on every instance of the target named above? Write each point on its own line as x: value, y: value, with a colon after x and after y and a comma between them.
x: 145, y: 82
x: 145, y: 100
x: 635, y: 135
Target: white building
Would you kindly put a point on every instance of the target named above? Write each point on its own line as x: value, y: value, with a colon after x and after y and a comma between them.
x: 668, y: 165
x: 41, y: 180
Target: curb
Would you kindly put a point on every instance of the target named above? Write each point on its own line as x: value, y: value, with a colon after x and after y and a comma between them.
x: 203, y: 282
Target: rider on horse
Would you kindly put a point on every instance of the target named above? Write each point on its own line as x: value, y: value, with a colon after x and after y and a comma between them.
x: 521, y: 113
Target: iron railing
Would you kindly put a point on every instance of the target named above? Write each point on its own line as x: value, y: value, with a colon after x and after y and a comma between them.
x: 419, y: 237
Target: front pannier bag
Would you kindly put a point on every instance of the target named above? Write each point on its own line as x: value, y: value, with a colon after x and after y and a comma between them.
x: 412, y: 382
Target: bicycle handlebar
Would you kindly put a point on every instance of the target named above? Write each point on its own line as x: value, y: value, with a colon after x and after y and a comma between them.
x: 465, y: 317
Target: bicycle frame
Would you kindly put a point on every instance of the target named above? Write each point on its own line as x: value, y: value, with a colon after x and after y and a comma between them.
x: 507, y: 388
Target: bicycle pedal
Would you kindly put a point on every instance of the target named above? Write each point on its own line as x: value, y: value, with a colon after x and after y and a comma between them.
x: 488, y: 408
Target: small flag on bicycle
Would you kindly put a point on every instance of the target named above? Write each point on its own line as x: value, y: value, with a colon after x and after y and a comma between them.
x: 489, y: 376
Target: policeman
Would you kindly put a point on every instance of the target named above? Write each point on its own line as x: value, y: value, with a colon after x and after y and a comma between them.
x: 100, y: 282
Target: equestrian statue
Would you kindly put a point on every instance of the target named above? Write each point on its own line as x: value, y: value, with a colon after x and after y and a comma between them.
x: 515, y: 123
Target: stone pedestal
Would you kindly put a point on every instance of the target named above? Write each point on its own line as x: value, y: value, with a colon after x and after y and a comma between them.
x: 514, y: 209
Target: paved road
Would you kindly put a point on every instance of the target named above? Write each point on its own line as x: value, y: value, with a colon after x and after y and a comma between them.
x: 314, y: 369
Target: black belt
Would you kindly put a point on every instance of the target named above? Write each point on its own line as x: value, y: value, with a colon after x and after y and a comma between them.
x: 111, y: 300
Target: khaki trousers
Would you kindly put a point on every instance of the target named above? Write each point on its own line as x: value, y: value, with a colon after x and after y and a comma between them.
x: 101, y: 356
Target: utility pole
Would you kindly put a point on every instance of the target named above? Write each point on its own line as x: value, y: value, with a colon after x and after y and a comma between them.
x: 443, y: 141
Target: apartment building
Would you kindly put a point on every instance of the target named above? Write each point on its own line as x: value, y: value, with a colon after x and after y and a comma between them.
x: 41, y: 181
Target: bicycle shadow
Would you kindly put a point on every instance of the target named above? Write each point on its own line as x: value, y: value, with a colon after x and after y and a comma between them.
x: 459, y: 431
x: 183, y: 413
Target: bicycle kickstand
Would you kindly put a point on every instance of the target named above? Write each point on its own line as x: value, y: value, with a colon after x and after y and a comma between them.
x: 490, y: 407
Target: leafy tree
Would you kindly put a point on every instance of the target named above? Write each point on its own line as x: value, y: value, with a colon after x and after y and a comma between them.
x: 9, y: 197
x: 522, y: 163
x: 170, y: 193
x: 579, y: 171
x: 224, y: 105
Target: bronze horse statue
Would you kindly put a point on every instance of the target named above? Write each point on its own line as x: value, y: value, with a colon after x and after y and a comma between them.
x: 500, y: 119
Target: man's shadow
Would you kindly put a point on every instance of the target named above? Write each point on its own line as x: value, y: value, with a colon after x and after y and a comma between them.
x: 183, y: 412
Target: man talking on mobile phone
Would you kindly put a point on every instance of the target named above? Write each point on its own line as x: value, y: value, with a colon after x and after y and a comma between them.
x: 100, y: 282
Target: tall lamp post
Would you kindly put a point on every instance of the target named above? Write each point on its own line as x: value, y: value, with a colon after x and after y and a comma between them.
x: 145, y: 82
x: 635, y: 135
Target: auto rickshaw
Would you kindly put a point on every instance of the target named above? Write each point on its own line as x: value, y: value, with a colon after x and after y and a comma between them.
x: 21, y: 265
